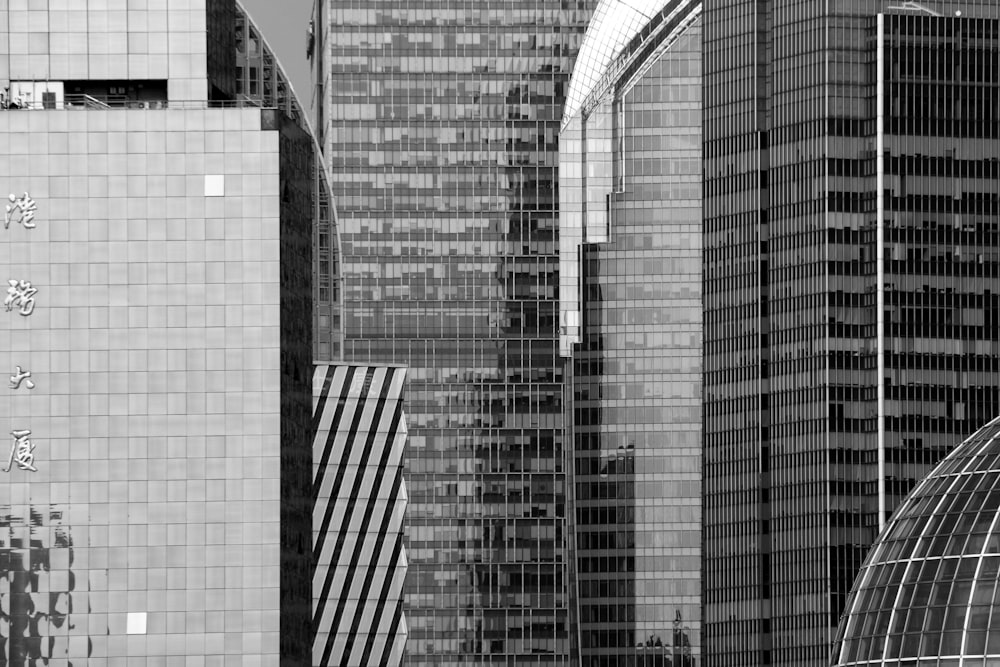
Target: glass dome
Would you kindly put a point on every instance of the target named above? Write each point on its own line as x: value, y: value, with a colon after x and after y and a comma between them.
x: 927, y: 594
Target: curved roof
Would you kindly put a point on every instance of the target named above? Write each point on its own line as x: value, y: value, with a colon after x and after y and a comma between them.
x: 929, y: 586
x: 614, y: 25
x: 280, y: 94
x: 283, y: 96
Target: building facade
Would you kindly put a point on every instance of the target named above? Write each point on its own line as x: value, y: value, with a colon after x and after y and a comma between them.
x: 630, y: 327
x: 168, y: 233
x: 851, y: 280
x: 440, y: 123
x: 158, y: 309
x: 359, y: 502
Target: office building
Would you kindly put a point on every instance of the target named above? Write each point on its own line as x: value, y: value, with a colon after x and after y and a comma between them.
x: 927, y: 594
x: 166, y: 199
x: 440, y: 124
x: 851, y: 282
x: 630, y: 326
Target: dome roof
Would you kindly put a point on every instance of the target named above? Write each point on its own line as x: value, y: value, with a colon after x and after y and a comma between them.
x: 929, y: 586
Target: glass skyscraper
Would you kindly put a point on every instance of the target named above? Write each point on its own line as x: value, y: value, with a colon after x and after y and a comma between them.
x: 630, y: 312
x: 851, y: 281
x: 440, y: 124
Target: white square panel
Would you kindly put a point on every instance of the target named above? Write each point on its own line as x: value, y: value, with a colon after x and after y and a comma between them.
x: 135, y: 623
x: 215, y: 185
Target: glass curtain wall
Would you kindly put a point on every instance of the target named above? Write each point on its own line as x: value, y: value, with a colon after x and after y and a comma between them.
x: 736, y: 114
x: 856, y: 306
x: 441, y: 122
x: 637, y: 368
x: 630, y: 271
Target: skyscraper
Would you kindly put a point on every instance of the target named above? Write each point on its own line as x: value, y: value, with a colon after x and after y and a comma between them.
x: 630, y: 312
x: 157, y: 333
x: 440, y: 123
x: 851, y: 289
x: 168, y: 231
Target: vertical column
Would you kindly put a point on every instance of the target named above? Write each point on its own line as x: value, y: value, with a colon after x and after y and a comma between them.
x: 880, y: 262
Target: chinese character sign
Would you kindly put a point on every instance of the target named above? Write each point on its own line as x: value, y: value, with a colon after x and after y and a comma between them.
x: 21, y: 376
x: 20, y: 294
x: 25, y: 207
x: 22, y: 452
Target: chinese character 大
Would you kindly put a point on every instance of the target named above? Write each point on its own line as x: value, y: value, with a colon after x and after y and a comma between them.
x: 21, y: 376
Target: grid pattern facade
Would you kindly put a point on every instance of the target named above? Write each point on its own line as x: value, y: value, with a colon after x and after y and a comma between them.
x: 827, y: 405
x: 440, y: 123
x: 941, y: 203
x: 620, y: 42
x: 615, y: 23
x: 168, y: 343
x: 631, y: 174
x: 49, y: 40
x: 927, y: 595
x: 157, y: 510
x: 736, y: 422
x: 359, y: 499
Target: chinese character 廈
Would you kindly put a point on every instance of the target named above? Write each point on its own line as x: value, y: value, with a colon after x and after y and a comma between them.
x: 22, y: 452
x: 19, y: 377
x: 22, y: 294
x: 26, y: 205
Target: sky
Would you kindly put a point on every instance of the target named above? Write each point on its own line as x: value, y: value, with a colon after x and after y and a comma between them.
x: 284, y: 24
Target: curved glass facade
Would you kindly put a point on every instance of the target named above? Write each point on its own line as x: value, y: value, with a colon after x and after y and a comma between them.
x: 256, y: 75
x: 612, y: 60
x: 615, y: 23
x: 630, y: 176
x: 927, y: 595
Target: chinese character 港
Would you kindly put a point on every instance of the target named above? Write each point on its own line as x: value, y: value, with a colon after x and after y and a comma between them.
x: 27, y: 207
x: 22, y: 452
x: 20, y: 294
x: 19, y: 377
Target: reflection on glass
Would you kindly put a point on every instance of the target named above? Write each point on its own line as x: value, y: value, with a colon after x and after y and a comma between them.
x: 630, y: 272
x: 37, y: 619
x: 443, y: 158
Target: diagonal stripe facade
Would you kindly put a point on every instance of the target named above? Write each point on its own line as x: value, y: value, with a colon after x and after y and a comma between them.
x: 359, y: 498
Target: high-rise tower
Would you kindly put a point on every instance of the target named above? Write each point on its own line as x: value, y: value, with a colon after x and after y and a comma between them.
x: 171, y: 253
x: 851, y: 292
x: 157, y: 335
x: 440, y: 123
x: 630, y: 313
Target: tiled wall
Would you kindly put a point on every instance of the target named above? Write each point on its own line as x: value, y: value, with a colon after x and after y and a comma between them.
x: 63, y: 40
x: 150, y: 525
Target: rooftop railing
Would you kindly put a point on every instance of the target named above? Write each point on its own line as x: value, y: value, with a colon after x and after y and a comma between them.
x: 80, y: 101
